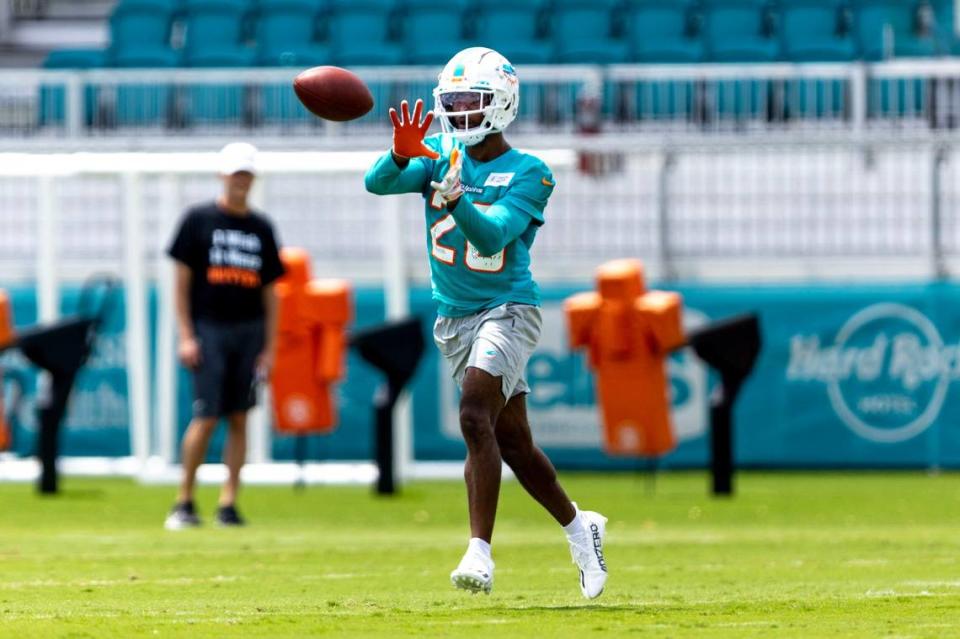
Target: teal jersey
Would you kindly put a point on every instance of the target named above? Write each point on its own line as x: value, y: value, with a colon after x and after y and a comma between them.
x: 479, y: 253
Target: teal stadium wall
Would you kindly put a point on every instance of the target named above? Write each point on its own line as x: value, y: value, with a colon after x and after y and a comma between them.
x: 849, y: 376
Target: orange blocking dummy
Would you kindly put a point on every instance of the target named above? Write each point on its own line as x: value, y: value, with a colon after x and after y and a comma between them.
x: 628, y: 332
x: 6, y: 319
x: 311, y: 346
x: 6, y: 337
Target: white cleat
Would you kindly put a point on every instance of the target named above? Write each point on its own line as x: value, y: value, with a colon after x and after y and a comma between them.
x: 587, y: 552
x: 475, y: 573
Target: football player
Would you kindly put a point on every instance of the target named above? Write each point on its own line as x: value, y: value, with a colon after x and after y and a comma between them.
x: 484, y: 203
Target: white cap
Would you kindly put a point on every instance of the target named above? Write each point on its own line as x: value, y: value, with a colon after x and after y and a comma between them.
x: 236, y: 157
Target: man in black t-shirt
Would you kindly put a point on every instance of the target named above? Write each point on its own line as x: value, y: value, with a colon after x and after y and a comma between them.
x: 227, y: 261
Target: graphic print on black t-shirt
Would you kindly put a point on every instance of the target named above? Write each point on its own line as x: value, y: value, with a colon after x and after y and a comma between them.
x: 231, y: 257
x: 234, y: 258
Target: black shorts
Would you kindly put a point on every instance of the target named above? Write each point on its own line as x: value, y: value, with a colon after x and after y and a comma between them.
x: 223, y: 383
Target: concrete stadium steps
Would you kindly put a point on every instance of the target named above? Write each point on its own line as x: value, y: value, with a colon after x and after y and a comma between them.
x: 39, y: 27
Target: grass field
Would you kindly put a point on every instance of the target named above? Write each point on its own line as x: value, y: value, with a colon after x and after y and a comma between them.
x: 793, y: 555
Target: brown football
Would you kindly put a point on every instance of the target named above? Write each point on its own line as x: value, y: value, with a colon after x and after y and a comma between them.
x: 333, y: 93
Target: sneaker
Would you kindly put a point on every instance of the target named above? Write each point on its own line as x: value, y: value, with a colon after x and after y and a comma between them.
x: 181, y: 516
x: 475, y: 573
x: 587, y: 553
x: 228, y: 516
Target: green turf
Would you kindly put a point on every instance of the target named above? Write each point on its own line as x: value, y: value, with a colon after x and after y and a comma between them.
x: 793, y: 555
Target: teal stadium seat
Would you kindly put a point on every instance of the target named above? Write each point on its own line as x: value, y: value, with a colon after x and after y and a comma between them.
x: 583, y: 32
x: 816, y: 31
x: 286, y: 33
x: 52, y: 101
x: 514, y: 28
x: 899, y: 18
x: 736, y: 31
x: 219, y: 103
x: 432, y: 31
x: 214, y: 29
x: 813, y: 31
x: 944, y: 15
x: 141, y: 24
x: 215, y: 34
x: 146, y: 104
x: 660, y: 31
x: 361, y: 33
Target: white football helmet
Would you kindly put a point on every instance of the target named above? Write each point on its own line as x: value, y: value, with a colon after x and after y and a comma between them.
x: 476, y: 80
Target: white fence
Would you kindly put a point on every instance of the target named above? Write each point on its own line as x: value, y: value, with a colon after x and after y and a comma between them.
x: 886, y: 209
x: 687, y: 209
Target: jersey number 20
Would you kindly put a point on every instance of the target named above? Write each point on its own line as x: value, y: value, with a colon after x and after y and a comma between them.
x: 472, y: 258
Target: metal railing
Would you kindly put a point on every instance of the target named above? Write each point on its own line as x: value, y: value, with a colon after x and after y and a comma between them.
x: 915, y: 96
x: 707, y: 209
x: 159, y: 103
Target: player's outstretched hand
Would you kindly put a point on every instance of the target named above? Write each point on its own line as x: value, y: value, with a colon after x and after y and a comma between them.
x: 408, y: 132
x: 449, y: 187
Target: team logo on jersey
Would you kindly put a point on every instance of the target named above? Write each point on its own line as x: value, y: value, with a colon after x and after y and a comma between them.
x: 498, y: 179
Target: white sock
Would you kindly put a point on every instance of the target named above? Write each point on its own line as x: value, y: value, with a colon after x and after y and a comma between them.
x: 575, y: 527
x: 480, y: 546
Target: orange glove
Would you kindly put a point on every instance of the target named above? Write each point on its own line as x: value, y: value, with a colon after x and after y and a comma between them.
x: 408, y: 133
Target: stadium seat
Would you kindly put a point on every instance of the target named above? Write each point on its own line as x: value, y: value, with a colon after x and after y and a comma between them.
x: 278, y: 104
x: 512, y: 27
x: 214, y: 28
x: 812, y: 31
x: 136, y: 24
x: 75, y: 59
x: 736, y: 31
x: 360, y: 33
x: 286, y: 31
x: 432, y: 31
x: 944, y: 15
x: 53, y: 100
x: 659, y: 31
x: 815, y: 31
x: 222, y: 58
x: 889, y: 28
x: 219, y: 103
x: 583, y: 32
x: 148, y: 103
x: 308, y: 56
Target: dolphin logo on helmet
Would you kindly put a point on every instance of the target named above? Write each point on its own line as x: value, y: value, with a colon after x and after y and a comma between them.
x: 488, y: 82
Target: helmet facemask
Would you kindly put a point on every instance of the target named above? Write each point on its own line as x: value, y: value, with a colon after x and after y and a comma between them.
x: 456, y: 109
